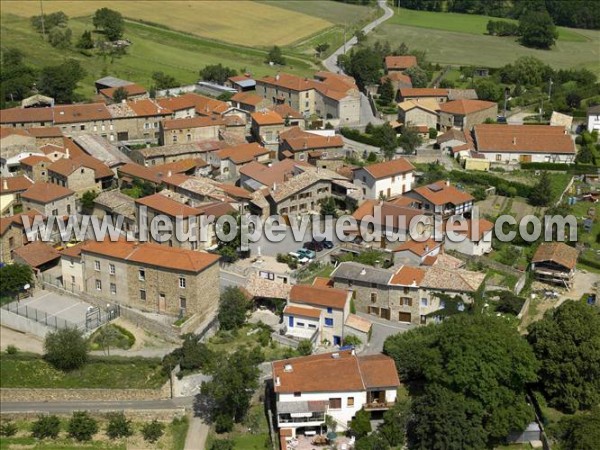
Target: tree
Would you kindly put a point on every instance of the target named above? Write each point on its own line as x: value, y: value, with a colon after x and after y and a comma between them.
x: 164, y: 81
x: 81, y: 426
x: 60, y: 37
x: 217, y: 73
x: 526, y: 71
x: 14, y: 277
x: 386, y: 92
x: 304, y: 347
x: 488, y: 90
x: 118, y: 426
x: 566, y: 341
x: 585, y: 155
x: 85, y: 41
x: 87, y: 200
x: 120, y: 94
x: 222, y: 444
x: 581, y: 432
x: 537, y: 29
x: 541, y: 193
x: 364, y: 64
x: 108, y: 336
x: 372, y: 157
x: 8, y: 428
x: 410, y: 139
x: 418, y: 76
x: 361, y: 423
x: 374, y: 441
x: 192, y: 355
x: 360, y: 36
x: 395, y: 420
x: 60, y: 81
x: 328, y: 207
x: 275, y: 56
x: 232, y: 309
x: 320, y: 48
x: 152, y: 431
x: 66, y: 349
x: 389, y: 142
x: 50, y: 21
x: 110, y: 22
x: 46, y: 427
x: 475, y: 369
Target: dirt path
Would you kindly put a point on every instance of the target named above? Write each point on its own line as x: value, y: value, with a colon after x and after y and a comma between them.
x: 24, y: 342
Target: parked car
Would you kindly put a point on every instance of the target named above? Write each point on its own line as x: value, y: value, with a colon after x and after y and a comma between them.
x: 307, y: 253
x: 313, y: 245
x: 324, y: 242
x: 301, y: 257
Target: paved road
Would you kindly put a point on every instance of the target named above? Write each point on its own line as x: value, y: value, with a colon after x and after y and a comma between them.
x: 359, y: 147
x: 382, y: 329
x: 20, y: 407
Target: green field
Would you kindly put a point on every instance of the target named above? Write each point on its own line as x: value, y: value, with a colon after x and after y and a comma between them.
x: 459, y: 39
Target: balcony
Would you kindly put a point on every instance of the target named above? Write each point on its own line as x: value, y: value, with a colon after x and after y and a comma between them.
x: 378, y: 406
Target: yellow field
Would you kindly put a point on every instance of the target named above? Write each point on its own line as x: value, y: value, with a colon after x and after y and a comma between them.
x: 240, y: 22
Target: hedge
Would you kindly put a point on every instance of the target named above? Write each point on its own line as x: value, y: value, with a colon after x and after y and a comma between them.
x: 570, y: 168
x: 357, y: 136
x: 487, y: 179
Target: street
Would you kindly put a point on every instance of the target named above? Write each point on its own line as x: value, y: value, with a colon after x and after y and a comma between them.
x: 382, y: 329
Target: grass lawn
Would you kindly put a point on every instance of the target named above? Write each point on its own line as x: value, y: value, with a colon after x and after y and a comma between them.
x: 458, y: 39
x: 241, y: 437
x: 31, y: 371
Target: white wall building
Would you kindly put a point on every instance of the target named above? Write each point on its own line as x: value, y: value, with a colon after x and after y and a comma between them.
x: 476, y: 239
x: 386, y: 179
x: 593, y: 118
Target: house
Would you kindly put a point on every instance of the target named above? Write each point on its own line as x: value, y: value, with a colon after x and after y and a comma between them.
x: 71, y: 268
x: 46, y: 135
x: 462, y: 94
x: 137, y: 121
x: 35, y: 167
x: 151, y: 277
x: 11, y: 189
x: 266, y: 126
x: 191, y: 104
x: 16, y: 144
x: 419, y: 94
x: 416, y: 253
x: 249, y: 101
x: 442, y: 199
x: 12, y: 234
x: 110, y: 82
x: 116, y: 206
x: 422, y: 113
x: 554, y: 262
x: 27, y: 117
x: 152, y: 156
x: 232, y: 159
x: 255, y: 176
x: 452, y: 138
x: 398, y: 80
x: 297, y: 144
x: 593, y: 118
x: 339, y: 384
x: 73, y: 175
x: 198, y: 191
x: 242, y: 83
x: 74, y: 120
x: 317, y: 309
x: 39, y: 255
x: 524, y: 143
x: 464, y: 114
x: 474, y: 239
x: 386, y: 179
x: 204, y: 128
x: 399, y: 63
x: 49, y: 199
x: 291, y: 117
x: 132, y: 91
x: 561, y: 120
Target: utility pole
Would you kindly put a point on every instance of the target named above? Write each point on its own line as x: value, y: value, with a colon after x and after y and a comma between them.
x: 42, y: 18
x: 550, y: 83
x: 344, y: 38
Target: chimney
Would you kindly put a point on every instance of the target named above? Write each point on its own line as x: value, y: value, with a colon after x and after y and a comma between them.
x: 288, y: 368
x: 277, y: 381
x: 68, y: 153
x: 363, y: 271
x: 274, y: 187
x: 277, y: 77
x: 5, y: 184
x: 414, y: 283
x: 169, y: 173
x: 515, y: 140
x: 427, y: 249
x: 447, y: 182
x: 353, y: 352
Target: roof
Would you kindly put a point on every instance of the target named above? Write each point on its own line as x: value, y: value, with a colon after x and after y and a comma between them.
x: 276, y: 173
x: 45, y: 132
x: 243, y: 153
x: 112, y: 81
x: 400, y: 62
x: 80, y: 113
x: 331, y: 85
x: 361, y: 272
x: 178, y: 103
x: 474, y: 234
x: 64, y: 166
x: 34, y: 159
x: 117, y: 203
x: 41, y: 192
x: 285, y: 110
x: 73, y: 251
x: 358, y: 323
x: 452, y: 135
x: 267, y: 117
x: 418, y: 248
x: 17, y: 219
x: 322, y: 282
x: 153, y: 255
x: 298, y: 140
x: 440, y: 193
x: 408, y: 276
x: 319, y: 296
x: 37, y: 253
x: 25, y: 115
x: 389, y: 168
x: 181, y: 166
x: 148, y: 107
x: 130, y: 89
x: 168, y: 206
x: 458, y: 94
x: 464, y: 107
x: 247, y: 98
x: 9, y: 131
x: 593, y: 110
x: 302, y: 311
x: 423, y: 92
x: 396, y: 76
x: 557, y: 252
x: 340, y: 371
x: 522, y: 139
x: 193, y: 122
x: 181, y: 149
x: 428, y: 104
x: 310, y: 176
x: 205, y: 105
x: 401, y: 216
x: 14, y: 184
x: 138, y: 171
x: 288, y: 81
x: 457, y: 280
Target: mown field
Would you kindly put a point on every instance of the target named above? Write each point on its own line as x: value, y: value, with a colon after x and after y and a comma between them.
x: 459, y: 39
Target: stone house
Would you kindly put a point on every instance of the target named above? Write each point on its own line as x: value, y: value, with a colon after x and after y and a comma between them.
x: 297, y: 144
x: 71, y: 268
x: 464, y: 114
x: 249, y: 102
x: 191, y: 130
x: 46, y: 135
x: 114, y: 204
x: 420, y: 94
x: 11, y: 189
x: 49, y: 199
x: 138, y: 121
x: 266, y: 126
x: 417, y: 253
x: 475, y: 239
x: 73, y: 175
x: 386, y: 179
x: 133, y: 92
x: 255, y: 176
x: 12, y: 234
x: 153, y: 156
x: 555, y: 262
x: 423, y: 113
x: 231, y: 159
x: 36, y: 167
x: 74, y: 120
x: 38, y: 255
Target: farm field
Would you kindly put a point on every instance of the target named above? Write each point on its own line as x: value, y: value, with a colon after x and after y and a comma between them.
x: 461, y: 41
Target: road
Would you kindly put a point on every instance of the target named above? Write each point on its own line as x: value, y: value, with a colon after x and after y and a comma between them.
x: 65, y: 407
x: 382, y: 329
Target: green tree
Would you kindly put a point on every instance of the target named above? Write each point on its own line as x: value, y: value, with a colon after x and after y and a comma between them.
x: 118, y: 426
x: 581, y: 432
x: 488, y: 90
x: 164, y: 81
x: 386, y: 92
x: 222, y: 444
x: 328, y: 207
x: 192, y: 355
x: 232, y: 309
x: 120, y: 94
x: 16, y: 78
x: 304, y: 347
x: 50, y: 21
x: 374, y: 441
x: 60, y: 37
x: 87, y: 200
x: 13, y: 278
x: 395, y: 421
x: 410, y: 139
x: 275, y: 56
x: 361, y: 423
x: 46, y: 427
x: 66, y: 349
x: 388, y: 140
x: 8, y: 428
x: 541, y: 193
x: 152, y: 431
x: 110, y: 22
x: 217, y: 73
x: 81, y: 426
x: 60, y: 81
x: 418, y: 76
x: 567, y: 342
x: 537, y: 29
x: 320, y: 48
x: 526, y: 71
x: 585, y: 155
x: 364, y: 64
x: 85, y: 40
x: 360, y: 36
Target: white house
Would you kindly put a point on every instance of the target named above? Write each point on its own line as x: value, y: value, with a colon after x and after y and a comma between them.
x: 386, y: 179
x: 475, y: 238
x: 593, y: 118
x: 501, y: 143
x: 336, y: 384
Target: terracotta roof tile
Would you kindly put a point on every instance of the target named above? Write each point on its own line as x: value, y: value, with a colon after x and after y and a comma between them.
x: 148, y: 107
x: 14, y: 184
x: 138, y: 171
x: 247, y: 98
x: 192, y: 122
x: 9, y: 131
x: 378, y: 371
x: 37, y: 253
x: 418, y: 248
x: 423, y: 92
x: 473, y: 233
x: 168, y: 206
x: 439, y: 194
x: 400, y: 62
x: 464, y: 107
x: 319, y: 296
x: 302, y: 311
x: 131, y: 89
x: 34, y: 159
x: 243, y: 153
x: 358, y: 323
x: 46, y: 192
x: 396, y: 76
x: 26, y: 115
x: 557, y: 252
x: 408, y: 276
x: 81, y: 113
x: 522, y: 139
x: 45, y: 132
x: 389, y: 168
x: 267, y: 117
x: 298, y: 140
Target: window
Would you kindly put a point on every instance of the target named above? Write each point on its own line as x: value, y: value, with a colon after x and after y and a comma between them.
x: 182, y: 282
x: 142, y: 275
x: 143, y: 294
x: 373, y: 297
x: 71, y: 263
x: 329, y: 310
x: 405, y: 301
x: 300, y: 324
x: 82, y: 127
x: 350, y: 401
x: 424, y: 302
x: 97, y: 265
x: 182, y: 302
x: 72, y: 279
x: 174, y: 138
x: 113, y: 288
x: 297, y: 394
x: 364, y: 179
x: 11, y: 242
x: 328, y: 322
x: 335, y: 403
x: 188, y: 137
x: 442, y: 304
x: 98, y: 285
x: 312, y: 325
x: 498, y: 157
x: 406, y: 289
x: 111, y: 269
x: 55, y: 212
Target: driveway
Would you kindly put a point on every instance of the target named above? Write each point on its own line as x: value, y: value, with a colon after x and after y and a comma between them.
x: 583, y: 283
x: 382, y: 329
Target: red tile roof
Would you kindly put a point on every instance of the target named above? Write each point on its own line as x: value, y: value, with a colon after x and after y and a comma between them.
x: 243, y: 153
x: 14, y: 184
x: 400, y: 62
x: 81, y: 113
x: 205, y: 105
x: 389, y: 168
x: 298, y: 140
x: 408, y: 276
x: 313, y: 313
x: 131, y: 89
x: 148, y: 107
x: 138, y: 171
x: 319, y: 296
x: 474, y: 234
x: 557, y: 252
x: 423, y: 92
x: 34, y: 159
x: 267, y: 118
x: 168, y: 206
x: 439, y: 193
x: 45, y: 132
x: 464, y: 107
x: 396, y: 76
x: 37, y: 253
x: 496, y: 138
x: 418, y: 248
x: 9, y: 131
x: 46, y: 192
x: 26, y: 115
x: 247, y: 98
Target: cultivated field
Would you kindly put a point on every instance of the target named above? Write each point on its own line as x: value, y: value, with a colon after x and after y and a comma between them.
x: 459, y: 39
x: 246, y: 23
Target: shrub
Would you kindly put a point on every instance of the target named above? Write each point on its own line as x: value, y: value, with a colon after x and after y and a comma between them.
x: 304, y: 347
x: 223, y: 423
x: 66, y: 349
x: 432, y: 133
x: 81, y: 426
x: 46, y: 427
x: 352, y: 340
x: 11, y: 350
x: 118, y: 426
x: 8, y: 428
x: 222, y: 444
x: 152, y: 431
x: 361, y: 424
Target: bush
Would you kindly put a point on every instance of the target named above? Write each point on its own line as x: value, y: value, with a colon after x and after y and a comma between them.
x: 118, y: 426
x: 432, y: 133
x: 304, y: 347
x: 8, y: 428
x: 222, y: 444
x: 152, y: 431
x: 11, y: 350
x: 569, y: 168
x: 223, y: 424
x: 361, y: 424
x: 352, y: 340
x: 46, y: 427
x: 66, y: 349
x: 81, y: 426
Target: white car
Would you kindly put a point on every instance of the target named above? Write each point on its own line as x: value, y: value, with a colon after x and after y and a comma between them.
x: 301, y: 259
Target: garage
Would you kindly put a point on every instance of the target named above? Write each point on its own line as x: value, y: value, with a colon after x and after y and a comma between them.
x: 404, y: 317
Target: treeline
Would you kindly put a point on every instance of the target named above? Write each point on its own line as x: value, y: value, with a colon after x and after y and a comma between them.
x: 573, y: 13
x: 357, y: 2
x: 502, y: 28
